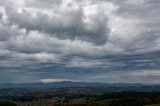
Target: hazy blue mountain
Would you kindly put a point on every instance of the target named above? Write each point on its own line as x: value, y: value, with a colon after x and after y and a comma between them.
x: 100, y: 87
x: 49, y: 85
x: 69, y: 84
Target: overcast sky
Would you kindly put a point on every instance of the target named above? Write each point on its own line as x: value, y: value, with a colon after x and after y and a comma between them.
x: 80, y: 40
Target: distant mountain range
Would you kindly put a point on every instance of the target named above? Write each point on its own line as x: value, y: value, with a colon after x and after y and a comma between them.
x: 73, y: 84
x: 51, y: 85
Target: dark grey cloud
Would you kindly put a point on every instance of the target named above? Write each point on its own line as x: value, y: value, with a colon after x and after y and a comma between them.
x: 88, y: 40
x: 69, y: 24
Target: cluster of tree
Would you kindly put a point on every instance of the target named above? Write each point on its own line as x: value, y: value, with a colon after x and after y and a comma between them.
x: 7, y: 103
x: 118, y: 99
x: 126, y: 102
x: 105, y: 99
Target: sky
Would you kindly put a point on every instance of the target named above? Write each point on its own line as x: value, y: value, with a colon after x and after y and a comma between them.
x: 110, y: 41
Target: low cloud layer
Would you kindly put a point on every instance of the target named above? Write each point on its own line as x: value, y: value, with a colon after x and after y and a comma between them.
x: 75, y: 40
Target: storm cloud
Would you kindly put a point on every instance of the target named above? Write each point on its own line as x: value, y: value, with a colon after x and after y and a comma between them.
x: 75, y: 40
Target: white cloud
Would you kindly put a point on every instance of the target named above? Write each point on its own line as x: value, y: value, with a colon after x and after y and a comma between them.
x: 52, y: 80
x: 73, y: 21
x: 84, y: 31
